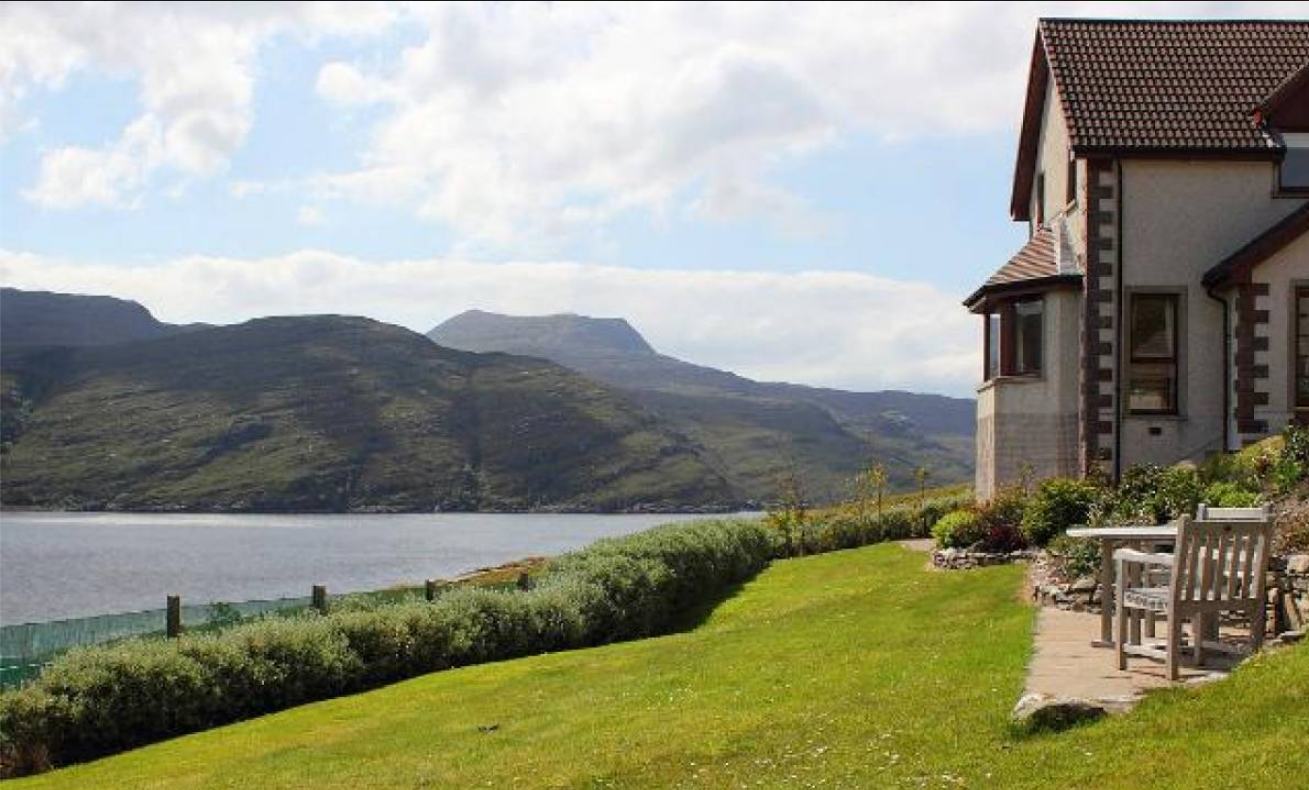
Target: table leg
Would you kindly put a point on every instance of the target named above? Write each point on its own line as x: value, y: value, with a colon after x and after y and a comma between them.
x: 1106, y: 594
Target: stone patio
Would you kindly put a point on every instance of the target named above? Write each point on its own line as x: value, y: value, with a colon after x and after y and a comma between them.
x: 1066, y: 665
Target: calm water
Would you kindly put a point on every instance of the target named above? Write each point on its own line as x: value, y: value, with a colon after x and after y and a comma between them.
x: 59, y: 565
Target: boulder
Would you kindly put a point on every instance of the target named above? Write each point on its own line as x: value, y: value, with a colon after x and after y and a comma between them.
x: 1045, y: 712
x: 1298, y: 564
x: 1085, y: 585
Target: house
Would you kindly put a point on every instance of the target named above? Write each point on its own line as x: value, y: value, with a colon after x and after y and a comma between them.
x: 1159, y: 311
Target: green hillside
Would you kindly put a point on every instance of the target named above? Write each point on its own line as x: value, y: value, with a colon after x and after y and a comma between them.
x: 754, y: 432
x: 330, y: 413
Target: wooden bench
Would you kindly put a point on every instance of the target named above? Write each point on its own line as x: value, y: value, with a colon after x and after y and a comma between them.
x: 1217, y: 566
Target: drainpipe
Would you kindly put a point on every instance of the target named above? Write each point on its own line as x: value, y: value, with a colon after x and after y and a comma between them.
x: 1227, y: 363
x: 1118, y: 328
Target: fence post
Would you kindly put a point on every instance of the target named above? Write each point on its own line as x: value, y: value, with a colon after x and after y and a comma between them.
x: 173, y: 627
x: 429, y: 589
x: 320, y: 598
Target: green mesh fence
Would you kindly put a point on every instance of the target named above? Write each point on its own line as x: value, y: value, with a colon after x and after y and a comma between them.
x: 25, y: 648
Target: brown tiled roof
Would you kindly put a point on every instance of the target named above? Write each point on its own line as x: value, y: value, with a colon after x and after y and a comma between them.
x: 1260, y: 249
x: 1034, y: 264
x: 1158, y: 88
x: 1170, y: 85
x: 1289, y: 88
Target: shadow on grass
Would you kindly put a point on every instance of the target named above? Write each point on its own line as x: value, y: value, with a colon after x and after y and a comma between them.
x: 694, y: 617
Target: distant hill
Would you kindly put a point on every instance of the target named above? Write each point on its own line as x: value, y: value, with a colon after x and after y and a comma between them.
x: 42, y: 318
x: 326, y: 413
x: 753, y: 431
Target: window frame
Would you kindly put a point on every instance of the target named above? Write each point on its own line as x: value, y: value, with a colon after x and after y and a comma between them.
x: 1176, y: 302
x: 1000, y: 339
x: 1014, y: 339
x: 1299, y: 141
x: 1040, y: 201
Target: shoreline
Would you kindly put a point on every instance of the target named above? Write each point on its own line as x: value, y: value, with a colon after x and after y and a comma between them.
x: 654, y: 510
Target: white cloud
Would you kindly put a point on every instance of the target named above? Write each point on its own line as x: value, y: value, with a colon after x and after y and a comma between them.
x: 518, y: 123
x: 195, y: 64
x: 841, y: 329
x: 309, y: 215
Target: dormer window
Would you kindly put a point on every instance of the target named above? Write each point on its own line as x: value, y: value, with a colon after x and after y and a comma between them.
x: 1294, y: 171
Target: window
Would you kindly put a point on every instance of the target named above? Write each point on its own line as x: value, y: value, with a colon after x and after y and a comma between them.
x: 992, y: 345
x: 1027, y: 337
x: 1152, y: 374
x: 1071, y: 188
x: 1294, y: 171
x: 1040, y: 200
x: 1014, y: 339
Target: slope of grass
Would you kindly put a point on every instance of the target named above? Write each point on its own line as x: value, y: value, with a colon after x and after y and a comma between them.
x: 852, y: 669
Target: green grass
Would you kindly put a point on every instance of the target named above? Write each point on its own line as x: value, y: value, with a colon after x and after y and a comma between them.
x: 851, y: 669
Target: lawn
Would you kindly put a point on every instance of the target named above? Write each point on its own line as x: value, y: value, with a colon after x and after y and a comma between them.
x: 852, y: 669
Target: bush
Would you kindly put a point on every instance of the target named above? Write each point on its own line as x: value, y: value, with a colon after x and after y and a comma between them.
x: 958, y: 529
x: 849, y: 527
x: 1295, y: 444
x: 1151, y: 494
x: 1002, y: 519
x: 1057, y: 504
x: 1226, y: 493
x: 1076, y: 556
x: 99, y: 700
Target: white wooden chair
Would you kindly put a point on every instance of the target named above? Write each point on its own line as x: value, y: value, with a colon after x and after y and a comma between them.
x: 1217, y: 566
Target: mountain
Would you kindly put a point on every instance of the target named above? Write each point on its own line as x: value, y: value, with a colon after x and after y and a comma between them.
x: 754, y: 432
x: 328, y: 413
x: 41, y: 318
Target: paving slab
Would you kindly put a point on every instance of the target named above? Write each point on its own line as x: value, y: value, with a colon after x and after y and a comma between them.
x: 1066, y: 664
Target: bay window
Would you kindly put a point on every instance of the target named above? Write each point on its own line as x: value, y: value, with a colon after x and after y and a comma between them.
x: 1014, y: 336
x: 1152, y: 359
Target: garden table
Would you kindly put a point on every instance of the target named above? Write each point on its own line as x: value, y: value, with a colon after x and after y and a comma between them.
x: 1111, y: 539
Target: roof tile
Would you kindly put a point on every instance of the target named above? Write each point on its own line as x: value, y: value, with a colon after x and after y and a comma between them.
x: 1160, y: 85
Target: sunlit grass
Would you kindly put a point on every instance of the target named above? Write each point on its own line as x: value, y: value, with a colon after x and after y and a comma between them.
x: 852, y: 669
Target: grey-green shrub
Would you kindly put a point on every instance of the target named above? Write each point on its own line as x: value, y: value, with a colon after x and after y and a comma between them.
x: 1056, y: 505
x: 99, y: 700
x: 1226, y: 493
x: 958, y: 529
x: 1079, y: 556
x: 850, y: 528
x: 1151, y: 494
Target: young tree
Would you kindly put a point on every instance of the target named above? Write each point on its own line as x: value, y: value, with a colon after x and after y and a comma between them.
x: 790, y: 509
x: 921, y: 474
x: 876, y: 481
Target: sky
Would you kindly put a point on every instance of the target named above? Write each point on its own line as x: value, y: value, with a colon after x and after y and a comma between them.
x: 799, y: 192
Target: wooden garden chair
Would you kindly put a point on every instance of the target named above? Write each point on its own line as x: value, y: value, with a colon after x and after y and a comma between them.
x: 1217, y: 566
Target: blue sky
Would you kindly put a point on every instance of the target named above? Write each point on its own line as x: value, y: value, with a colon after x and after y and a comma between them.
x: 798, y: 192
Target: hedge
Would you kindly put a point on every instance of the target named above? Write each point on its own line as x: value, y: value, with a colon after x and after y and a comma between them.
x: 851, y: 527
x: 100, y: 700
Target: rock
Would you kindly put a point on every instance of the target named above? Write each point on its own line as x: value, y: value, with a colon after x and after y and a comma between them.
x: 1290, y: 637
x: 1298, y: 564
x: 1290, y: 613
x: 1045, y: 712
x: 1084, y: 585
